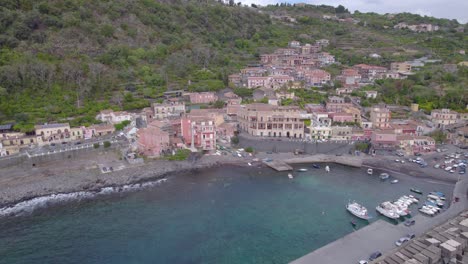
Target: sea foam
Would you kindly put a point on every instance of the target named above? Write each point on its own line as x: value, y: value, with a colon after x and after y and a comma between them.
x: 29, y: 206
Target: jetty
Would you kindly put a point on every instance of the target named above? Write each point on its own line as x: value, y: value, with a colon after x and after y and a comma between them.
x: 278, y: 165
x: 352, y: 161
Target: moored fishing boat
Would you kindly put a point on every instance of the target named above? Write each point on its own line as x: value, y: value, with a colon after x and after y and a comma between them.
x: 416, y: 191
x: 290, y: 176
x: 394, y: 181
x: 302, y: 170
x: 357, y: 210
x: 386, y: 209
x: 370, y: 171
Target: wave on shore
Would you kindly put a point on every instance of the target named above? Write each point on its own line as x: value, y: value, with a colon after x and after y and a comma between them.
x: 29, y: 206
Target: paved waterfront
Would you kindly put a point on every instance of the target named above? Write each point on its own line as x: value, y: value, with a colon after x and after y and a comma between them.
x: 382, y: 235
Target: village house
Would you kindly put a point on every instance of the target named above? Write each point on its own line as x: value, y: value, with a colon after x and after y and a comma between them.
x: 371, y: 94
x: 380, y: 116
x: 309, y: 49
x: 384, y: 139
x: 369, y: 73
x: 203, y: 98
x: 152, y: 141
x: 443, y: 117
x: 53, y: 133
x: 341, y: 132
x: 199, y: 132
x: 341, y: 117
x: 109, y: 116
x: 405, y: 129
x: 226, y: 131
x: 253, y: 72
x: 102, y: 130
x: 320, y: 126
x: 355, y: 112
x: 460, y: 137
x: 168, y: 110
x: 13, y: 142
x: 416, y: 144
x: 336, y: 104
x: 317, y: 78
x: 325, y: 58
x: 344, y: 91
x: 322, y: 42
x: 273, y: 82
x: 217, y: 115
x: 235, y: 79
x: 310, y: 108
x: 272, y: 121
x: 400, y: 66
x: 349, y: 77
x: 294, y: 44
x: 269, y: 58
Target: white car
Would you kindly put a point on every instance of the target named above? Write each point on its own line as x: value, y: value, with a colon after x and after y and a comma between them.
x: 448, y: 168
x: 397, y: 160
x: 402, y: 161
x: 401, y: 241
x: 437, y: 166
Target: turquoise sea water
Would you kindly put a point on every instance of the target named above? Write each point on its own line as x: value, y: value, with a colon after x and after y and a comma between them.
x: 222, y: 215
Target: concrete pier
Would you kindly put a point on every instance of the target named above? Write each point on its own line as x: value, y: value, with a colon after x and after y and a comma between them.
x: 278, y: 165
x: 352, y: 161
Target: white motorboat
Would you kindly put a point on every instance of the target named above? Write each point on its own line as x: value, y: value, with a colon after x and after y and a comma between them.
x: 426, y: 211
x: 370, y: 171
x: 302, y: 170
x: 401, y: 209
x: 290, y: 176
x: 394, y: 181
x: 357, y: 210
x: 387, y: 209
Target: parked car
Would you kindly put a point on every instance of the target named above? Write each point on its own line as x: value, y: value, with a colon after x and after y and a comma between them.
x: 411, y: 235
x: 410, y: 222
x: 375, y: 255
x: 363, y: 262
x: 401, y: 241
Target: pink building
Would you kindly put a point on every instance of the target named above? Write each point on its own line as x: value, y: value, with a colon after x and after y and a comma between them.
x: 199, y: 132
x: 152, y: 141
x: 203, y: 98
x: 384, y: 139
x: 317, y: 77
x: 342, y: 117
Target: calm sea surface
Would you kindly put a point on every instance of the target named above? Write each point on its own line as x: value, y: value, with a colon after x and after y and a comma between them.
x: 223, y: 215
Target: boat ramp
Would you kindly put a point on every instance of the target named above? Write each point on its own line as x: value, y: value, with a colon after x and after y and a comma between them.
x: 278, y: 165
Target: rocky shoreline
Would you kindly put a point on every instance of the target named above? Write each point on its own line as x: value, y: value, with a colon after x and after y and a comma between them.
x: 37, y: 182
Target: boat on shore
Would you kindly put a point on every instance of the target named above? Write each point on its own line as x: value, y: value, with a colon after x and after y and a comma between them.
x: 357, y: 210
x: 384, y: 176
x: 302, y: 170
x: 290, y: 176
x: 387, y: 209
x: 416, y: 191
x: 327, y: 169
x: 370, y: 171
x: 316, y: 166
x: 394, y: 181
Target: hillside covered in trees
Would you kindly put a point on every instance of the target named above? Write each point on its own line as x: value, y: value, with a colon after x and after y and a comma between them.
x: 68, y: 59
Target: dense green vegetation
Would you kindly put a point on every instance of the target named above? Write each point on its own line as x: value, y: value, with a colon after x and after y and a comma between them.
x: 65, y: 60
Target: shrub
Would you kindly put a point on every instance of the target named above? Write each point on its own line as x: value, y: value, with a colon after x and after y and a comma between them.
x: 107, y: 144
x: 249, y: 149
x: 181, y: 154
x: 234, y: 140
x: 96, y: 145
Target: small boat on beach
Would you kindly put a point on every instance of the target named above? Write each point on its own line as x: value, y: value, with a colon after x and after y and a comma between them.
x: 394, y: 181
x: 416, y: 191
x: 302, y: 170
x: 316, y: 166
x: 357, y: 210
x: 384, y: 176
x: 327, y: 169
x: 370, y: 171
x: 290, y: 176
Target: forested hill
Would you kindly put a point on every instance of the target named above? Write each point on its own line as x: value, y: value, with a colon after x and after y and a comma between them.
x: 72, y: 58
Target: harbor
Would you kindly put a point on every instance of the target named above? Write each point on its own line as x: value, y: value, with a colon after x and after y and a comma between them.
x: 381, y: 235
